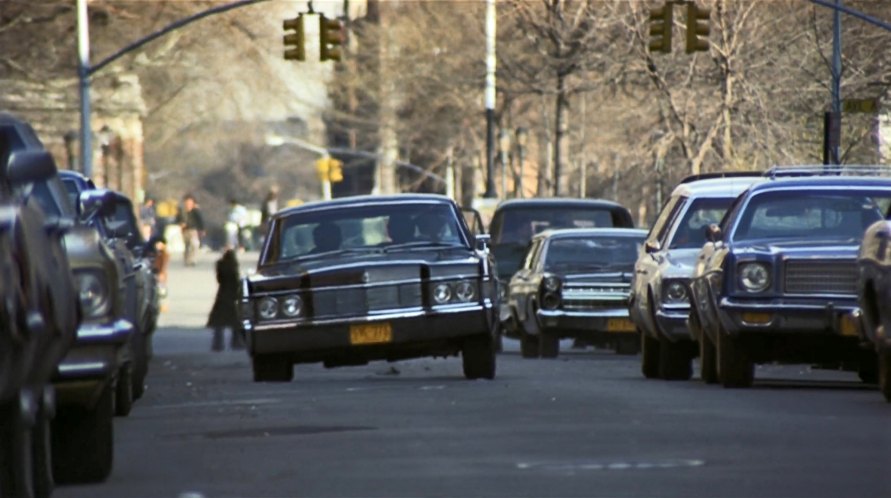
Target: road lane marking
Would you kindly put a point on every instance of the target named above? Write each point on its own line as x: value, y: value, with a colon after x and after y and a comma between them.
x: 205, y: 404
x: 608, y: 466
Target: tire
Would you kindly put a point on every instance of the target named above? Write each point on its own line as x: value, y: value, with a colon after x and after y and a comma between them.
x: 868, y: 368
x: 675, y: 360
x: 83, y: 441
x: 140, y: 367
x: 708, y: 360
x: 272, y: 368
x: 478, y: 357
x: 649, y: 358
x: 529, y: 346
x: 735, y: 369
x: 885, y: 373
x: 16, y: 472
x: 123, y: 393
x: 42, y: 453
x: 549, y: 346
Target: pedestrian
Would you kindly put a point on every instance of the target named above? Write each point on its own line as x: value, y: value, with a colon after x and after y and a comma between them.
x: 160, y: 259
x: 192, y: 224
x: 223, y: 315
x: 236, y: 221
x: 147, y: 218
x: 270, y: 206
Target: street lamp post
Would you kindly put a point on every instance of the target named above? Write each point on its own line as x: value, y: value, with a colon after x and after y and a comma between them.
x: 70, y: 137
x: 521, y: 136
x: 503, y: 151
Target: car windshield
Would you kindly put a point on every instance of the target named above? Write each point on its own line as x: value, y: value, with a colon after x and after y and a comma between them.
x: 518, y: 226
x: 379, y: 227
x: 122, y: 222
x: 810, y: 214
x: 593, y: 252
x: 690, y: 232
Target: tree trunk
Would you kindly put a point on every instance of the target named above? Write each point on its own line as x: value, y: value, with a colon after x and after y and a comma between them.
x: 559, y: 132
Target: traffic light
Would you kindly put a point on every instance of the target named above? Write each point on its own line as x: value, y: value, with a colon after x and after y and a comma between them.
x: 295, y: 47
x: 331, y: 38
x: 323, y: 167
x: 697, y: 25
x: 660, y: 28
x: 335, y: 170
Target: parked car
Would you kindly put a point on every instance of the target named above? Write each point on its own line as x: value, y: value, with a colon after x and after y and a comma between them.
x: 358, y: 279
x: 777, y: 280
x: 874, y: 297
x: 39, y: 317
x: 659, y: 304
x: 516, y: 221
x: 116, y: 223
x: 575, y: 284
x: 85, y: 381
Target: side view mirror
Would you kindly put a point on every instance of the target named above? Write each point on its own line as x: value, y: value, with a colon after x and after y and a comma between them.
x: 481, y: 241
x: 29, y: 166
x: 652, y: 246
x: 92, y: 203
x: 713, y: 233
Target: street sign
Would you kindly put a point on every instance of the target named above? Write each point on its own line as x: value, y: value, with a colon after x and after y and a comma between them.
x: 860, y: 105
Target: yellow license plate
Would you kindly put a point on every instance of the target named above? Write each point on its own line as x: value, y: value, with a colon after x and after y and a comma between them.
x: 619, y: 325
x: 849, y: 326
x: 371, y: 333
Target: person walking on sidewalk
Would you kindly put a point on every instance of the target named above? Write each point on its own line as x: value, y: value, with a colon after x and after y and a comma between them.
x: 223, y: 315
x: 192, y: 224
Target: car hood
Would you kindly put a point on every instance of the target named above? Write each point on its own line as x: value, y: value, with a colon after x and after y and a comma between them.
x: 830, y: 249
x: 366, y: 267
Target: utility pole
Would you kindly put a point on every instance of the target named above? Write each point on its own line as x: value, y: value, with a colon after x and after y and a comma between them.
x: 490, y: 99
x: 83, y: 75
x: 833, y: 121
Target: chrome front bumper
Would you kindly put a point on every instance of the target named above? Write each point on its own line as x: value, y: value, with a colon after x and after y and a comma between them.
x: 781, y: 316
x: 606, y: 321
x: 92, y: 361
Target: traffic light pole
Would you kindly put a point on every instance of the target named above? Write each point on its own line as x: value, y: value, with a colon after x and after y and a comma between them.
x: 490, y: 99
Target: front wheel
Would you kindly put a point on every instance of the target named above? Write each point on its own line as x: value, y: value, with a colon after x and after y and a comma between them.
x: 885, y: 373
x: 549, y: 346
x: 15, y: 451
x: 123, y: 394
x: 735, y: 369
x: 478, y: 357
x: 529, y: 345
x: 708, y: 360
x: 272, y: 368
x: 649, y: 358
x: 83, y: 441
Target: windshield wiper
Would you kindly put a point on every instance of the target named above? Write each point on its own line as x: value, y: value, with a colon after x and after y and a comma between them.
x: 422, y: 244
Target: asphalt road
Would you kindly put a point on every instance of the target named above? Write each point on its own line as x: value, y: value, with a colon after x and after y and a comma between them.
x: 586, y: 424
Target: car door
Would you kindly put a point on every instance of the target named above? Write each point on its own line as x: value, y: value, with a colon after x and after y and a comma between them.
x: 648, y: 266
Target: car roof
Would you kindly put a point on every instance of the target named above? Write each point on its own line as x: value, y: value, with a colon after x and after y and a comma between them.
x: 828, y: 181
x: 717, y: 187
x: 359, y: 200
x: 557, y: 202
x: 588, y: 232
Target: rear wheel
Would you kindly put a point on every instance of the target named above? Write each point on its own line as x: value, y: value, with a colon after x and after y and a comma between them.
x: 674, y: 360
x: 272, y: 368
x: 83, y: 441
x: 735, y: 369
x: 649, y: 358
x: 549, y: 346
x: 478, y: 357
x: 529, y: 345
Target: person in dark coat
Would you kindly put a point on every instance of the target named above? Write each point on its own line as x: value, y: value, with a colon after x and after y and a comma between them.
x: 223, y: 314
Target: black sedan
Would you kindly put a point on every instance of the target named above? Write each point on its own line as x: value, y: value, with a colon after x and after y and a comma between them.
x: 367, y: 278
x: 575, y: 283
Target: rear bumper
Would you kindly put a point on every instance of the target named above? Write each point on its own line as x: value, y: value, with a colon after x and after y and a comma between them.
x: 416, y: 332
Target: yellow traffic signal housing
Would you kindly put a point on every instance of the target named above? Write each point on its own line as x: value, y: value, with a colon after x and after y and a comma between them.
x: 697, y: 25
x: 331, y: 38
x: 323, y: 167
x: 661, y: 21
x: 295, y: 46
x: 335, y: 170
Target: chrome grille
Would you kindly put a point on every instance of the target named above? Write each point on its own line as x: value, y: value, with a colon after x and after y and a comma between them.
x: 820, y: 277
x: 595, y: 296
x: 358, y: 301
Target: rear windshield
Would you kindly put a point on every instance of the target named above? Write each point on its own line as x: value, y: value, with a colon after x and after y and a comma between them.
x: 518, y: 226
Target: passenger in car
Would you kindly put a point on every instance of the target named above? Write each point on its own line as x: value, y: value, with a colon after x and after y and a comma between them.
x: 400, y: 229
x: 326, y: 237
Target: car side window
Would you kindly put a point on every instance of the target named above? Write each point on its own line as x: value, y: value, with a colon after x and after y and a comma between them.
x: 665, y: 219
x: 531, y: 255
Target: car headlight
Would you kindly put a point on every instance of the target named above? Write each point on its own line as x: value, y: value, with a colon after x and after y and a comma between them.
x: 465, y: 291
x: 754, y: 277
x: 292, y: 306
x: 93, y: 294
x: 442, y: 293
x: 674, y: 292
x: 551, y: 283
x: 267, y: 308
